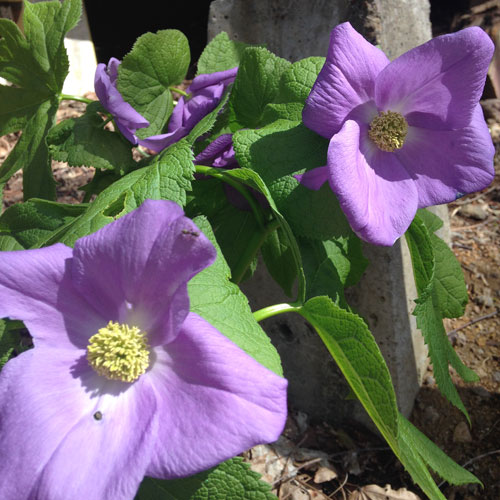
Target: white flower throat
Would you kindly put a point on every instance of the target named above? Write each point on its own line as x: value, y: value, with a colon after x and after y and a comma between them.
x: 119, y: 352
x: 388, y: 131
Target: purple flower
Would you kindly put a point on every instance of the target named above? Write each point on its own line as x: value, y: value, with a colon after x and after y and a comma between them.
x: 123, y: 380
x: 127, y: 119
x: 205, y: 94
x: 403, y: 135
x: 219, y: 153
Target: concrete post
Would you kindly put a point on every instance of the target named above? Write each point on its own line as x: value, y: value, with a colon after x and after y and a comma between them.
x: 384, y: 297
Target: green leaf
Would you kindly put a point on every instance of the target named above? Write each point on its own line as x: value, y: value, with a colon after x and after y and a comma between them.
x: 156, y: 62
x: 220, y: 54
x: 32, y: 155
x: 8, y: 344
x: 35, y: 220
x: 277, y: 152
x: 251, y: 179
x: 353, y: 347
x: 297, y: 81
x: 256, y: 85
x: 411, y: 438
x: 83, y: 141
x: 234, y: 229
x: 231, y: 480
x: 432, y: 294
x: 450, y: 286
x: 280, y: 260
x: 332, y: 265
x: 225, y: 307
x: 291, y: 111
x: 37, y: 65
x: 168, y: 177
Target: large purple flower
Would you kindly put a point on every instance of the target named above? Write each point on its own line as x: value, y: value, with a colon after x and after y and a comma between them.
x: 403, y: 135
x: 123, y: 380
x: 127, y: 119
x: 205, y: 93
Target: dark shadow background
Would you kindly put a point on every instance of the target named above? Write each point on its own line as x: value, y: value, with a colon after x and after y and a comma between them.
x: 114, y: 31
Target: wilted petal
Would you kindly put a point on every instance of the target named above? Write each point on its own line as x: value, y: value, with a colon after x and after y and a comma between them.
x: 52, y: 444
x: 35, y: 287
x: 206, y: 92
x: 437, y: 84
x: 376, y: 193
x: 136, y: 269
x: 447, y: 164
x: 346, y: 80
x: 127, y: 119
x: 215, y: 401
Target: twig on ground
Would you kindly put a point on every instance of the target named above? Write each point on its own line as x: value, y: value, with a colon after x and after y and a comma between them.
x: 472, y: 322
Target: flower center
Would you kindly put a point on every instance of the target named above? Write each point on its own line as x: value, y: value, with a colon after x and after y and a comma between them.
x: 388, y: 131
x: 119, y: 352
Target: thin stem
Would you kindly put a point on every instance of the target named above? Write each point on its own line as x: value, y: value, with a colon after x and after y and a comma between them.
x: 105, y: 122
x: 179, y: 91
x: 219, y: 174
x: 68, y: 97
x: 270, y: 311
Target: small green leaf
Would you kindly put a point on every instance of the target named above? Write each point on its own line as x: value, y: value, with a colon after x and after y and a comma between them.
x: 8, y: 343
x: 83, y: 141
x: 156, y: 62
x: 256, y: 85
x: 280, y: 260
x: 435, y: 290
x: 332, y: 265
x: 231, y: 480
x: 220, y: 54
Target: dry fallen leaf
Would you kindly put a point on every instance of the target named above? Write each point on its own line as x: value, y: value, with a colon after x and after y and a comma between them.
x: 374, y: 492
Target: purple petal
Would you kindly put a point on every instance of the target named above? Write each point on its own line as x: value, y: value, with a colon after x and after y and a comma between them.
x: 346, y: 80
x: 438, y: 84
x: 219, y: 153
x: 205, y: 80
x: 376, y: 193
x: 127, y: 119
x: 447, y: 164
x: 142, y: 281
x: 215, y: 401
x: 206, y: 92
x: 35, y: 287
x: 313, y: 179
x: 48, y: 430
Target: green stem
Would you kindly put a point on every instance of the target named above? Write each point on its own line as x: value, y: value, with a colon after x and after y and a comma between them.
x: 67, y: 97
x: 105, y: 122
x: 179, y: 91
x: 219, y: 174
x: 270, y: 311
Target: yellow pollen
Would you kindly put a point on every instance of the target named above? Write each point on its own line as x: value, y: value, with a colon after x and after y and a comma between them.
x: 119, y: 352
x: 388, y: 131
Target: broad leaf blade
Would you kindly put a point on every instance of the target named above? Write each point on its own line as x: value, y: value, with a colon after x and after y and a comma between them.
x: 220, y: 54
x: 156, y: 62
x: 231, y: 480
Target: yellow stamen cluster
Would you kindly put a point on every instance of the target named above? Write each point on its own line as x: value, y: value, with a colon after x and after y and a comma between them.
x: 388, y: 131
x: 119, y: 352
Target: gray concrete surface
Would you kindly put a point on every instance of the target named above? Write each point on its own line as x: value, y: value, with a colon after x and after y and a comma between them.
x: 384, y: 297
